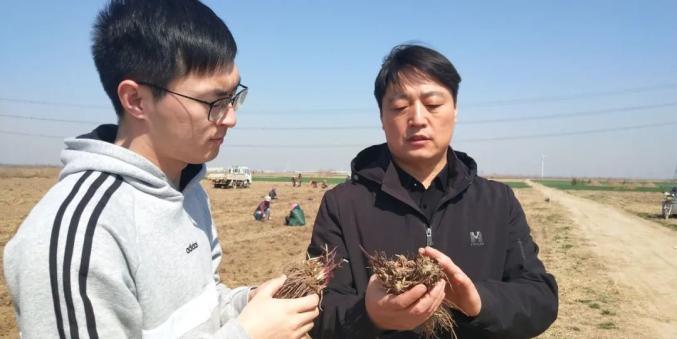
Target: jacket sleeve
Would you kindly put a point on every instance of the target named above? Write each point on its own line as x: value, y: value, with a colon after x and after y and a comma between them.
x: 524, y: 302
x: 343, y: 313
x: 107, y: 291
x: 111, y: 289
x: 231, y: 301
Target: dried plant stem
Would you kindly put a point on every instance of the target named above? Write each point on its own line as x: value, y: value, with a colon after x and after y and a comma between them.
x: 307, y: 277
x: 400, y: 274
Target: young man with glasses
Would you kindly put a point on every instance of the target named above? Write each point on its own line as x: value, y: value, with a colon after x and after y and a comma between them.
x: 124, y: 244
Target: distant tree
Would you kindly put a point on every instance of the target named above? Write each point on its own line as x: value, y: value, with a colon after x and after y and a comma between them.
x: 574, y: 181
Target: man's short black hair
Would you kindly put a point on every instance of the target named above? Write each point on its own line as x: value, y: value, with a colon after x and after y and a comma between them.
x: 419, y: 59
x: 157, y: 42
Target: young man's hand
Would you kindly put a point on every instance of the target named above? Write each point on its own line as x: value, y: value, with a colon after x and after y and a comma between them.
x: 462, y: 292
x: 401, y: 312
x: 266, y: 317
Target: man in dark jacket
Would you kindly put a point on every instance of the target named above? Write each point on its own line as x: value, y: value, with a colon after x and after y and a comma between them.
x: 415, y: 192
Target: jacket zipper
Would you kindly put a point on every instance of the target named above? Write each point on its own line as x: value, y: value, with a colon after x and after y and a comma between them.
x: 524, y: 256
x: 428, y: 236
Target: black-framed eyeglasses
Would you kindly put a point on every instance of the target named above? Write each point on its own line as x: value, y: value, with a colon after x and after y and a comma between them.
x: 217, y: 108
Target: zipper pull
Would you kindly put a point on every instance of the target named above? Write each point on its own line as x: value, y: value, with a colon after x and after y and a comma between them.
x: 429, y: 236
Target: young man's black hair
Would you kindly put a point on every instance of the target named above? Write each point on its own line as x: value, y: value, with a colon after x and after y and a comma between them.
x: 424, y: 60
x: 175, y: 38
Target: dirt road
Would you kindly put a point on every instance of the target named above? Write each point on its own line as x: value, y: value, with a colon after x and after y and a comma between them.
x: 638, y: 254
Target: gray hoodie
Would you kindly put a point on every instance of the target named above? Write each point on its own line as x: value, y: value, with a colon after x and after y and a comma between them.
x: 114, y: 250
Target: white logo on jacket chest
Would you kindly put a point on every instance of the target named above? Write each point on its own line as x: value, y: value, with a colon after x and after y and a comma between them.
x: 191, y: 247
x: 476, y: 239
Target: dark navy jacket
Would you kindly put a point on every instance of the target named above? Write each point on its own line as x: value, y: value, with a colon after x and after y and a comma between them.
x: 479, y: 224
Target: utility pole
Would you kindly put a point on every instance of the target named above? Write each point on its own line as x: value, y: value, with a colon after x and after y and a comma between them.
x: 543, y: 166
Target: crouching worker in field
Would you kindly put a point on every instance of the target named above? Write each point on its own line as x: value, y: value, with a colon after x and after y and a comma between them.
x: 262, y: 212
x: 296, y: 216
x: 273, y: 193
x: 416, y: 192
x: 124, y: 245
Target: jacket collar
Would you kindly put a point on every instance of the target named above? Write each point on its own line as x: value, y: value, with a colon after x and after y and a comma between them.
x: 374, y: 165
x: 411, y: 183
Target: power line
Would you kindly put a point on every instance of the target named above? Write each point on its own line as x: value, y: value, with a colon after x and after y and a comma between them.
x: 72, y: 121
x: 33, y: 135
x: 571, y: 133
x: 503, y: 138
x: 309, y: 128
x: 505, y: 102
x: 484, y: 103
x: 293, y: 146
x: 363, y: 127
x: 567, y: 115
x: 471, y: 140
x: 56, y: 103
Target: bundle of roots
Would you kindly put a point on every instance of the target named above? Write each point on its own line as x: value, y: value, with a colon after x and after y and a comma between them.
x: 400, y: 274
x: 307, y: 277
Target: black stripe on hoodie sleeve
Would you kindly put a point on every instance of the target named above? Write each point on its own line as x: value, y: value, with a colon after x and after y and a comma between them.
x: 53, y: 244
x: 68, y: 254
x: 86, y: 253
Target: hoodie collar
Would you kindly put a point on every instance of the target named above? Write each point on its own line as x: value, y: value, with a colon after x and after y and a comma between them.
x: 108, y: 133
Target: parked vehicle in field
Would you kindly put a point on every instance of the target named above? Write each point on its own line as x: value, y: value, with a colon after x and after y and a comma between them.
x: 669, y: 205
x: 234, y: 177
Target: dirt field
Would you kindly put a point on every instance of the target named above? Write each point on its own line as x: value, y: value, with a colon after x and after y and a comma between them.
x: 595, y: 301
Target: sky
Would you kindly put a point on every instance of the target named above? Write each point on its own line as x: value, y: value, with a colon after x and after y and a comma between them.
x: 567, y: 88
